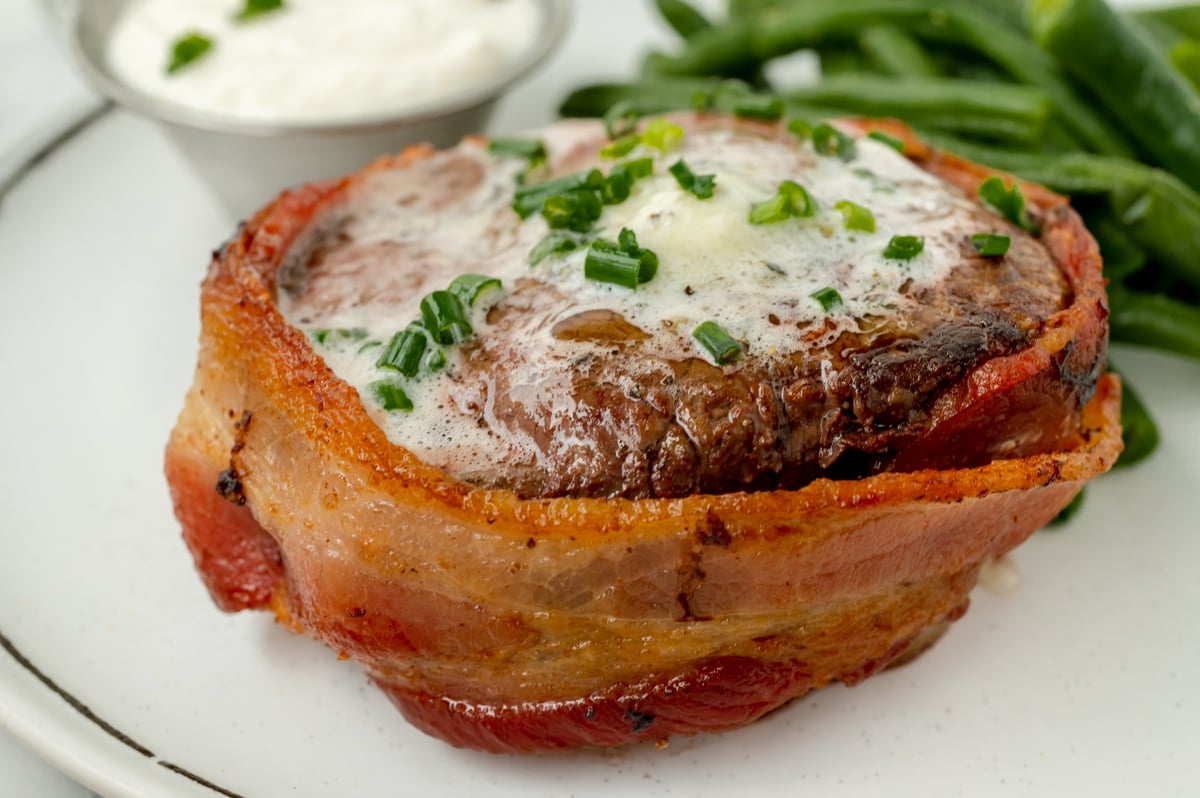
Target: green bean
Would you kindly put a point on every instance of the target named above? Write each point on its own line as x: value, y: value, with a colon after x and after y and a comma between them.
x: 1123, y: 256
x: 895, y: 52
x: 648, y: 96
x: 1115, y: 58
x: 1138, y: 427
x: 745, y: 40
x: 1185, y: 57
x: 1017, y: 113
x: 1154, y: 320
x: 1003, y: 111
x: 1185, y: 19
x: 683, y: 18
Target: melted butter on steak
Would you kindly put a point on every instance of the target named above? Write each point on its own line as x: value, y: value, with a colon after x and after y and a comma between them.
x: 578, y: 388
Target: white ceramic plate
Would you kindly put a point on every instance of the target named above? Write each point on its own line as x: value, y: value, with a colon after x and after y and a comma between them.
x: 119, y: 670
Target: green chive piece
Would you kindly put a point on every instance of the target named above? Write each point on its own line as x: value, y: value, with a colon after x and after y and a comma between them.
x: 337, y: 335
x: 904, y: 247
x: 718, y: 343
x: 637, y: 168
x: 552, y: 244
x: 369, y: 345
x: 1009, y: 203
x: 405, y: 351
x: 991, y: 245
x: 621, y: 119
x: 663, y: 135
x: 791, y: 199
x: 469, y: 287
x: 769, y: 109
x: 800, y: 202
x: 828, y: 297
x: 533, y: 150
x: 619, y: 148
x: 800, y: 128
x: 573, y: 210
x: 391, y: 396
x: 893, y: 142
x: 435, y: 360
x: 770, y: 211
x: 828, y: 140
x: 256, y: 8
x: 445, y: 317
x: 702, y: 186
x: 647, y: 260
x: 623, y: 263
x: 857, y: 217
x: 529, y: 198
x: 188, y: 49
x: 617, y: 187
x: 607, y: 263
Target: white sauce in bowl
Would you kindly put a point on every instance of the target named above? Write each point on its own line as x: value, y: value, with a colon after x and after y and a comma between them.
x: 322, y: 60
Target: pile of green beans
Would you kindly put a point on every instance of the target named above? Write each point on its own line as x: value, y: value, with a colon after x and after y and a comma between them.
x: 1098, y: 104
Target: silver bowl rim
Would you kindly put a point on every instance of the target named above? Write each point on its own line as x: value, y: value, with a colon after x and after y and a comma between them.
x: 555, y: 16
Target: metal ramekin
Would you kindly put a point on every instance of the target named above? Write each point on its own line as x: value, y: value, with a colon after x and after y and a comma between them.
x: 248, y: 162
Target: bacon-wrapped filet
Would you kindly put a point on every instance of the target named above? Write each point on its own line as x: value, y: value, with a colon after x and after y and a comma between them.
x: 567, y: 520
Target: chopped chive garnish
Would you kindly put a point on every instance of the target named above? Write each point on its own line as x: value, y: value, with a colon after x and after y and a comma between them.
x: 572, y: 210
x: 857, y: 217
x: 828, y: 297
x: 718, y: 343
x: 528, y: 199
x: 1009, y: 203
x: 662, y: 134
x: 792, y: 199
x: 623, y: 263
x: 552, y: 244
x: 620, y: 120
x: 759, y: 107
x: 893, y: 142
x: 619, y: 148
x: 770, y: 211
x: 619, y: 183
x: 532, y: 150
x: 435, y: 360
x: 391, y: 396
x: 701, y: 186
x: 337, y: 335
x: 800, y: 128
x: 648, y: 261
x: 606, y: 263
x: 468, y: 287
x: 828, y: 140
x: 617, y: 187
x: 369, y: 345
x: 799, y: 200
x: 256, y: 8
x: 637, y: 168
x: 445, y: 317
x: 991, y: 245
x: 188, y: 49
x: 904, y: 247
x: 405, y: 351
